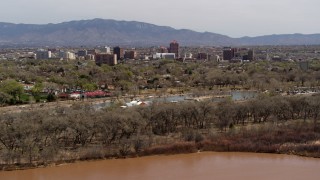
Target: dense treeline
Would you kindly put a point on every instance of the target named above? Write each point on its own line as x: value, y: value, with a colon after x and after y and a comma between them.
x: 80, y: 132
x: 134, y: 76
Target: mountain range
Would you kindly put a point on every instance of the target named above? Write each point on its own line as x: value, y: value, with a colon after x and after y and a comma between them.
x: 131, y: 33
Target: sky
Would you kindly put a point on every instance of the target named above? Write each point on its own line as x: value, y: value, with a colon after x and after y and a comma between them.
x: 235, y: 18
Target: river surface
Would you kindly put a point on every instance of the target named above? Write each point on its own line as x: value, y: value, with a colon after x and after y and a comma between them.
x: 235, y: 96
x: 198, y: 166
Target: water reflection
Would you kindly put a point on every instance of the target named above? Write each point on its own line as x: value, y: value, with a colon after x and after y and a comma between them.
x: 243, y: 95
x: 234, y: 95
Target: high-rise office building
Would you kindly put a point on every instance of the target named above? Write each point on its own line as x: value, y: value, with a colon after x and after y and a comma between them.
x: 174, y: 48
x: 228, y: 53
x: 251, y: 55
x: 43, y: 54
x: 119, y: 52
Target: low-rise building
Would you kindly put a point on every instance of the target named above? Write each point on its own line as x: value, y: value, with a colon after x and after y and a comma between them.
x: 203, y: 56
x: 130, y: 55
x: 82, y: 53
x: 164, y: 56
x: 110, y: 59
x: 67, y: 55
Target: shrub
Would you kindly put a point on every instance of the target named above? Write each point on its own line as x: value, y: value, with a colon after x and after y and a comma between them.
x: 177, y: 148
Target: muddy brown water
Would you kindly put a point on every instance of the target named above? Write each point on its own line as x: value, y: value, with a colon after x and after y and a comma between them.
x: 199, y: 166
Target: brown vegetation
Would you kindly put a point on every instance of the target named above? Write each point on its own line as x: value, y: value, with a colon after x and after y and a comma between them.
x: 269, y: 123
x: 65, y: 134
x: 177, y: 148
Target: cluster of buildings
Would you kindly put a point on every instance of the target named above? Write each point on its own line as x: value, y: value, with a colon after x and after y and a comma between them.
x: 106, y: 55
x: 53, y: 54
x: 120, y: 53
x: 112, y: 58
x: 172, y: 52
x: 115, y: 55
x: 238, y: 54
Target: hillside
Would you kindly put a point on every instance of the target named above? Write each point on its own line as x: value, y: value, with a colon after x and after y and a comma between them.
x: 112, y: 32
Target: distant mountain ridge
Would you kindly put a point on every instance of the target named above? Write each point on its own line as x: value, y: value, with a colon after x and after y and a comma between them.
x: 112, y: 32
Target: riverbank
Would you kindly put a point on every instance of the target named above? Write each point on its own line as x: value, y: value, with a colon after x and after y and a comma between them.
x: 291, y: 141
x: 174, y: 149
x: 68, y: 134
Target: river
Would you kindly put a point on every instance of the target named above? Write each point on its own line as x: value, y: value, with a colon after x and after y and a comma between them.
x: 200, y: 166
x: 234, y: 95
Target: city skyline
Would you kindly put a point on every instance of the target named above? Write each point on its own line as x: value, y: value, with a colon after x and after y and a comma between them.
x: 235, y: 18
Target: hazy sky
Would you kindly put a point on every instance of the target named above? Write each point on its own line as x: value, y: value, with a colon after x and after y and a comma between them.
x: 234, y: 18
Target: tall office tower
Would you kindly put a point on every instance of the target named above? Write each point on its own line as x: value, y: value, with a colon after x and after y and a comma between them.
x: 228, y: 53
x: 251, y: 55
x: 119, y: 52
x: 174, y: 48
